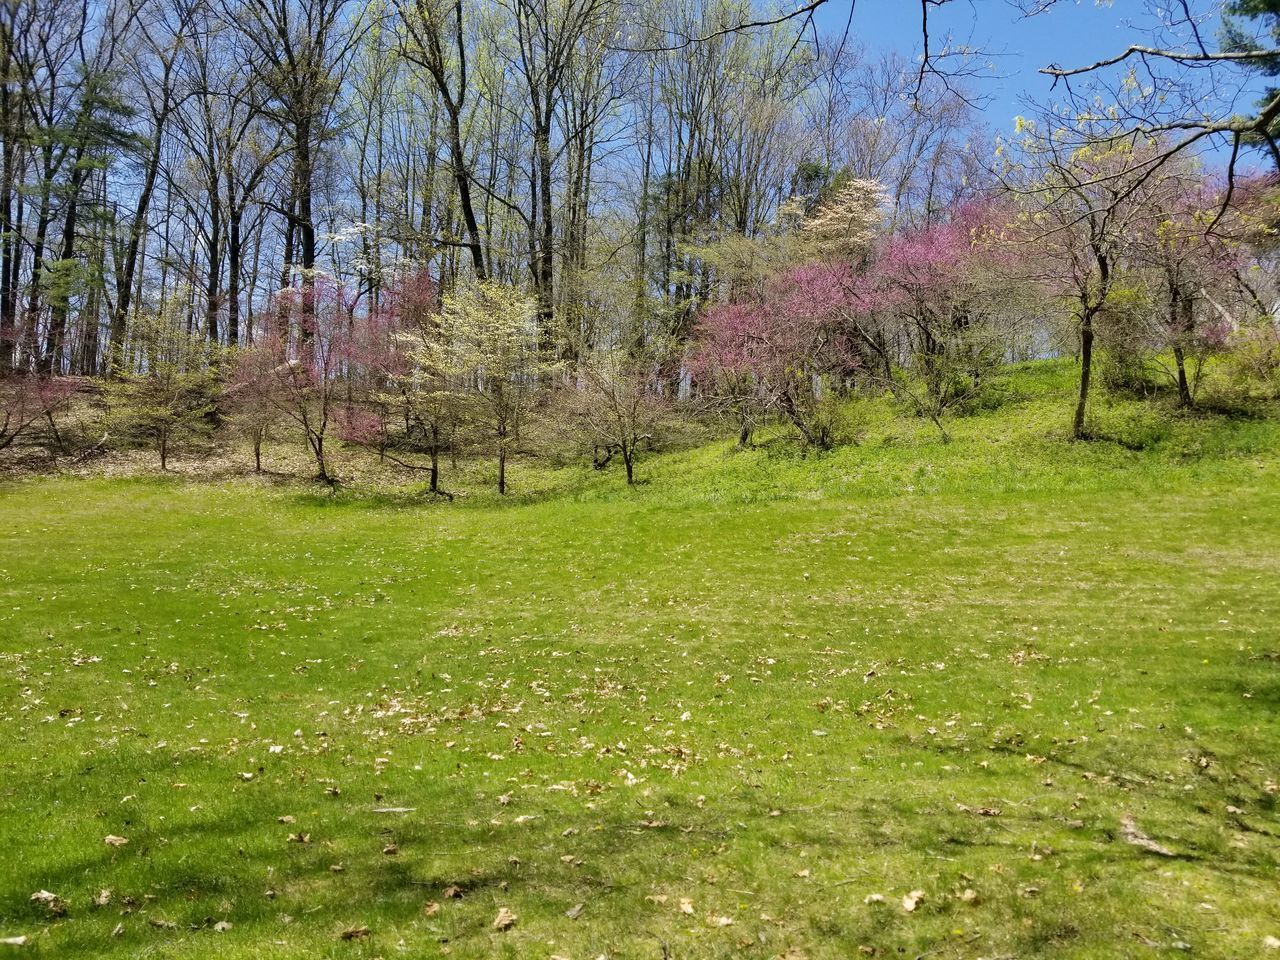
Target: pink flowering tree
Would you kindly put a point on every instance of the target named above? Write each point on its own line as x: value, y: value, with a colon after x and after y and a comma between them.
x: 28, y: 402
x: 307, y: 380
x: 790, y: 349
x: 1192, y: 256
x: 935, y: 310
x: 417, y: 380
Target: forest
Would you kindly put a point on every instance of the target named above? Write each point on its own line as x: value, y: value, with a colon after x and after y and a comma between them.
x: 419, y: 227
x: 637, y: 480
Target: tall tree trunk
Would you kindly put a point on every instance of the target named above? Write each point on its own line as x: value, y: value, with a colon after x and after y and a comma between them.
x: 1086, y: 372
x: 235, y: 255
x: 10, y: 125
x: 214, y: 275
x: 137, y: 230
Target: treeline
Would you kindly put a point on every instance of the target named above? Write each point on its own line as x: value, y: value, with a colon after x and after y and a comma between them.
x: 224, y: 150
x: 417, y: 226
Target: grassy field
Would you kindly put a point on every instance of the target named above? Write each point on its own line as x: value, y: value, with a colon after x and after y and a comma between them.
x: 1007, y: 697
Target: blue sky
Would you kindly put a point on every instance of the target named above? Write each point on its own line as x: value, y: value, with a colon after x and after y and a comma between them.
x: 1072, y: 33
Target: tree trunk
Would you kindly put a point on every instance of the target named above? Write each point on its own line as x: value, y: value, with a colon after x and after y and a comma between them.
x: 125, y: 279
x: 234, y: 256
x: 59, y: 301
x: 1184, y: 387
x: 1086, y: 371
x: 213, y: 277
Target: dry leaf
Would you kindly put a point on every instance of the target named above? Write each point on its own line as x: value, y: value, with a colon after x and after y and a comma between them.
x: 103, y: 898
x: 162, y: 924
x: 13, y: 941
x: 1130, y: 833
x: 686, y: 905
x: 715, y: 921
x: 390, y: 850
x: 505, y: 919
x: 452, y: 893
x: 1271, y: 943
x: 114, y: 841
x: 53, y: 903
x: 912, y: 900
x: 969, y: 896
x: 873, y: 898
x: 574, y: 912
x: 354, y: 933
x: 431, y: 909
x: 222, y: 926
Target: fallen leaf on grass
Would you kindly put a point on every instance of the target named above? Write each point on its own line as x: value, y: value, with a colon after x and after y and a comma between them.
x: 969, y: 896
x: 354, y: 933
x: 114, y: 841
x: 13, y: 941
x: 390, y: 850
x: 1130, y: 833
x: 1271, y: 943
x: 714, y: 921
x: 53, y: 903
x: 912, y: 900
x: 505, y: 919
x: 162, y: 924
x: 873, y: 898
x: 103, y: 898
x: 686, y: 905
x: 452, y: 893
x: 431, y: 909
x: 574, y: 912
x: 222, y: 926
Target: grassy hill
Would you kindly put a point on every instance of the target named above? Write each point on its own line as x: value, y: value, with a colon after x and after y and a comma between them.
x: 1004, y: 697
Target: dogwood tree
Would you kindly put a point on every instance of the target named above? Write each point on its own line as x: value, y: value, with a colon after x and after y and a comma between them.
x: 491, y: 340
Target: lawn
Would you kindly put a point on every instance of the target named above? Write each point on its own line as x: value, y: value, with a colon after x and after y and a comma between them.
x: 1007, y: 697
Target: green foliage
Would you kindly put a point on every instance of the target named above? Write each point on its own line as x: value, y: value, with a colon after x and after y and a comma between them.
x: 1253, y: 366
x: 172, y: 400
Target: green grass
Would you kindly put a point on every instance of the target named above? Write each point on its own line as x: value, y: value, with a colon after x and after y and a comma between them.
x: 773, y: 685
